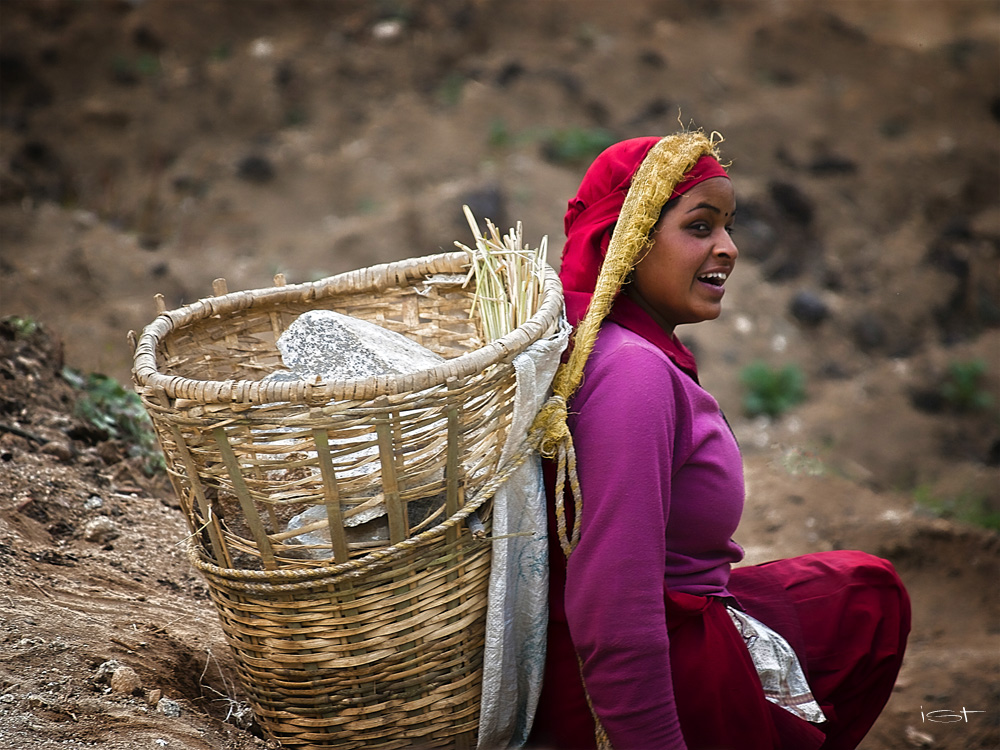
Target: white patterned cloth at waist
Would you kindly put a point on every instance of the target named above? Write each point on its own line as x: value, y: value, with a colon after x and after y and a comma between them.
x: 779, y: 669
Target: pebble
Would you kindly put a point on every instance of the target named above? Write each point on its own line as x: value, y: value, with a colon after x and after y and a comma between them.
x: 793, y: 202
x: 106, y: 669
x: 385, y: 31
x: 85, y: 219
x: 60, y: 450
x: 916, y: 738
x: 869, y: 333
x: 256, y: 169
x: 169, y: 708
x: 486, y: 201
x: 93, y: 502
x: 100, y: 530
x: 241, y: 716
x: 809, y: 308
x: 125, y: 680
x: 262, y: 48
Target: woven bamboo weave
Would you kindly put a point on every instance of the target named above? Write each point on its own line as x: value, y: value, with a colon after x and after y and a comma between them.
x: 349, y: 641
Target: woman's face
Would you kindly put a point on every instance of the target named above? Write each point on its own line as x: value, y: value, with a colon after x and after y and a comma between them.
x: 680, y: 278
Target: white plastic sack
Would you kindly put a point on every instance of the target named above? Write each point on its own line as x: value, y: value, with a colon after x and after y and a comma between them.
x: 517, y: 613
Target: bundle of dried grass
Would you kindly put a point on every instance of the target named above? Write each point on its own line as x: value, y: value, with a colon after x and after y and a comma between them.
x: 509, y: 277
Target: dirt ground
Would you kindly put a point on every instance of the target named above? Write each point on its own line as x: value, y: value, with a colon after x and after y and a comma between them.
x: 152, y: 146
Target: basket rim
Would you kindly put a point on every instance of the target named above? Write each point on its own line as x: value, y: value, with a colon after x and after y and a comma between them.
x: 148, y: 378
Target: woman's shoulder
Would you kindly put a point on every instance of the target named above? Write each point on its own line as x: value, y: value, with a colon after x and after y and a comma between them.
x: 632, y: 388
x: 619, y: 348
x: 624, y: 365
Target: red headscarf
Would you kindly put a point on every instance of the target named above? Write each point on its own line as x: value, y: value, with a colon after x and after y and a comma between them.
x: 589, y: 223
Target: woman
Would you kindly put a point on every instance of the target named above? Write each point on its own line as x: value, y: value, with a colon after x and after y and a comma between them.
x: 676, y: 647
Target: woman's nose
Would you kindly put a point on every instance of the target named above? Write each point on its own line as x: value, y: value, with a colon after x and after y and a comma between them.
x: 726, y: 247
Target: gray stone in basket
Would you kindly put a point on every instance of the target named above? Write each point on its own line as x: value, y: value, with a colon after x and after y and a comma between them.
x: 363, y: 527
x: 326, y: 345
x: 367, y: 526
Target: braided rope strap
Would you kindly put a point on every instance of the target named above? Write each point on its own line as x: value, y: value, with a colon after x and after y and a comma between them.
x: 653, y: 183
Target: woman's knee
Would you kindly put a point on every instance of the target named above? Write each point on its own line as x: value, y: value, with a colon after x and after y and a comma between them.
x: 884, y: 596
x: 864, y: 568
x: 872, y: 570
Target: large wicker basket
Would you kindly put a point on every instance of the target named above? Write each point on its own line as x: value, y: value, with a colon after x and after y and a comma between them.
x: 348, y: 643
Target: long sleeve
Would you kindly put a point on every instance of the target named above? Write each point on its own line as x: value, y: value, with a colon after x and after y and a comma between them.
x: 625, y: 431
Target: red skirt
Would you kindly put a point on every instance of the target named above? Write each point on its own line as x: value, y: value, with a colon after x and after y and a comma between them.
x: 846, y: 614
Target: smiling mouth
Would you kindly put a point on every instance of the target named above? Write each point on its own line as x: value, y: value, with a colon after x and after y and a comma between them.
x: 717, y: 278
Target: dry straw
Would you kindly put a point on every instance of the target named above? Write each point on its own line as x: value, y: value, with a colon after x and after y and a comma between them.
x: 370, y: 642
x: 509, y: 276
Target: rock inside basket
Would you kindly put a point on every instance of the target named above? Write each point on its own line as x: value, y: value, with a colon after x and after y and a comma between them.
x: 323, y: 345
x: 327, y: 345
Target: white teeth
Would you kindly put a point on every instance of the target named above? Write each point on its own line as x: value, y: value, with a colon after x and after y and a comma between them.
x: 715, y: 275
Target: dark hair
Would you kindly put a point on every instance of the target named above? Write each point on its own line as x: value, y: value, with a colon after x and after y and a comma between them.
x: 667, y: 208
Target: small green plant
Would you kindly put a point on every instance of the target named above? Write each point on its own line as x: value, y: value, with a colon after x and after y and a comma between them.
x: 771, y: 391
x: 131, y: 69
x: 295, y: 117
x: 499, y: 135
x: 22, y: 327
x: 449, y: 92
x: 963, y: 390
x: 222, y: 51
x: 967, y: 507
x: 575, y: 145
x: 119, y: 413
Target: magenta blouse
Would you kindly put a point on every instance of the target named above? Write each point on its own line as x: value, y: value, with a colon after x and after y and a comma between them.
x: 662, y: 482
